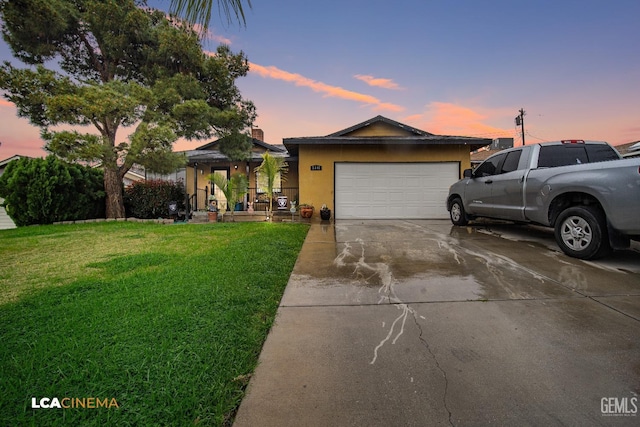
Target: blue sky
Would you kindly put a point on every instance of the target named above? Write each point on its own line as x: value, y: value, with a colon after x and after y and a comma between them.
x: 448, y: 67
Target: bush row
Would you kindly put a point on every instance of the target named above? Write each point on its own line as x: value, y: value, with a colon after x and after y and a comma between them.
x: 150, y: 199
x: 44, y: 191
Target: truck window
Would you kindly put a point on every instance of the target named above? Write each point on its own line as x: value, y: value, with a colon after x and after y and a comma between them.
x: 562, y: 155
x: 511, y: 162
x: 489, y: 166
x: 601, y: 153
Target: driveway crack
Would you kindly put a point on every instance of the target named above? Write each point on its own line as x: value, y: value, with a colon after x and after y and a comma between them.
x: 444, y: 373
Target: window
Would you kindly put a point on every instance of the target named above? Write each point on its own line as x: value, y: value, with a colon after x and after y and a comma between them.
x: 511, y: 162
x: 489, y: 167
x: 562, y: 155
x: 261, y: 179
x: 601, y: 153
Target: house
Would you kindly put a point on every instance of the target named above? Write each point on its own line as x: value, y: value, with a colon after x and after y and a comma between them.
x: 376, y: 169
x: 482, y: 154
x: 632, y: 149
x: 381, y: 169
x: 5, y: 220
x: 207, y: 159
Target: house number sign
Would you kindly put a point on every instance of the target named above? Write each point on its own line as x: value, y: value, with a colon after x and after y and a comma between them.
x: 316, y: 167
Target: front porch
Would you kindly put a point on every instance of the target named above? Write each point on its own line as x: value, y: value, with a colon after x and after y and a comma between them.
x: 207, y: 160
x: 282, y: 200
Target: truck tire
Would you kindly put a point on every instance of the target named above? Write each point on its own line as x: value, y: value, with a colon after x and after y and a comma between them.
x: 581, y: 232
x: 456, y: 212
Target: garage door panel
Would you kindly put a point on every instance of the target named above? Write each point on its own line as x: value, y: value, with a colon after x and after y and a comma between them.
x: 393, y: 190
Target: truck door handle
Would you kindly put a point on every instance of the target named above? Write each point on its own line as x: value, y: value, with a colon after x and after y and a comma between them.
x: 489, y: 181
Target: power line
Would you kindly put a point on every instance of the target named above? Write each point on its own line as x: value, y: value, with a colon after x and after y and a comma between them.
x: 535, y: 137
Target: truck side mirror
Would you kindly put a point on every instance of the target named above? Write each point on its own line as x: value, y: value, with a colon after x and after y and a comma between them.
x: 467, y: 173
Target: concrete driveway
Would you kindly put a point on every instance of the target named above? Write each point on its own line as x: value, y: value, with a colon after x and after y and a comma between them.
x: 421, y: 323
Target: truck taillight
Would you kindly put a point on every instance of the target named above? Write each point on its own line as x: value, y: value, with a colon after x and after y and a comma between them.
x: 573, y: 141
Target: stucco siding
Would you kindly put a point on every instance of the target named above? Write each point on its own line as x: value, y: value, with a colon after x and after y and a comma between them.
x: 317, y: 186
x: 5, y: 220
x: 379, y: 129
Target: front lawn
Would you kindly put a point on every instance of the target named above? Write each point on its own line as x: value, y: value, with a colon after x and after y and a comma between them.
x: 162, y: 324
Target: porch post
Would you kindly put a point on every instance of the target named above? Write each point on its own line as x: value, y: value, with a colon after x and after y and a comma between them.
x: 247, y: 169
x: 195, y: 185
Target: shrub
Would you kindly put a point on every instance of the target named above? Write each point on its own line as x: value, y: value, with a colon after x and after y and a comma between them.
x: 150, y: 199
x: 43, y: 191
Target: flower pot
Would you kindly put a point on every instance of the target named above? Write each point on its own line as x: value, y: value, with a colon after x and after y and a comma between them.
x: 213, y: 216
x: 325, y: 214
x: 306, y: 212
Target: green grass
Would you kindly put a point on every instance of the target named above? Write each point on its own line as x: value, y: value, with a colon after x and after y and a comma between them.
x: 168, y: 320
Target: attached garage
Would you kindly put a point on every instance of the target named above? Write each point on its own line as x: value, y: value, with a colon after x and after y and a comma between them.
x: 381, y: 169
x: 393, y: 190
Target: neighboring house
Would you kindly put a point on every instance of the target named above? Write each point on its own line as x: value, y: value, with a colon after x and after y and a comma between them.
x: 632, y: 149
x: 208, y: 159
x: 381, y: 169
x: 498, y: 144
x: 138, y: 173
x: 5, y: 220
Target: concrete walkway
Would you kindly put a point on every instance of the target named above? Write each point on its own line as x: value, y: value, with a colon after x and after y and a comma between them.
x: 402, y: 323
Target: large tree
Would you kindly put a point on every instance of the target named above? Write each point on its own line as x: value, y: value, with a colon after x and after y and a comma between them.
x: 117, y: 64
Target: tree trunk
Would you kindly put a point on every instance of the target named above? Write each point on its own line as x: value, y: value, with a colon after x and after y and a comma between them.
x: 113, y: 190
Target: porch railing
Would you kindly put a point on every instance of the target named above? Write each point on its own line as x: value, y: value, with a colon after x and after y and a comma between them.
x: 261, y: 201
x: 199, y: 200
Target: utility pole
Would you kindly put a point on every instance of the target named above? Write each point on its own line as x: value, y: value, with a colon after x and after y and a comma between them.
x: 520, y: 122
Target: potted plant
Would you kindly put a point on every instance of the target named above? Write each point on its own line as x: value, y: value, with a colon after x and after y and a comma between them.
x: 306, y: 210
x: 233, y: 189
x: 271, y: 167
x: 325, y: 213
x: 213, y: 209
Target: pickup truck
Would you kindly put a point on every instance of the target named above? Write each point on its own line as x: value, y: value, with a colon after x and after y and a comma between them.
x: 584, y: 190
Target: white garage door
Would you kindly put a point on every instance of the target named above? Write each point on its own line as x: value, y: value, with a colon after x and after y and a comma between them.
x: 393, y: 190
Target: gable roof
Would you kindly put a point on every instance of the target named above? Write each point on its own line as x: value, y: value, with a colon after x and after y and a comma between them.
x: 400, y: 134
x: 381, y: 119
x: 5, y: 162
x: 10, y: 159
x: 213, y: 145
x: 211, y: 153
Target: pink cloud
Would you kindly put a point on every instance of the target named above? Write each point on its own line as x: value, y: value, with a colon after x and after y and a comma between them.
x: 6, y: 104
x: 210, y: 35
x: 450, y: 119
x: 379, y: 82
x: 272, y: 72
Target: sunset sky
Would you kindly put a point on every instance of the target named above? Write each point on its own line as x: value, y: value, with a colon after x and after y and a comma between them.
x: 450, y: 67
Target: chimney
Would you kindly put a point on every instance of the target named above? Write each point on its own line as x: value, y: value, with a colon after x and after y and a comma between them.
x: 257, y: 134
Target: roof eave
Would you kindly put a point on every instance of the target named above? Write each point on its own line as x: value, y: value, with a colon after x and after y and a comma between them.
x: 292, y: 144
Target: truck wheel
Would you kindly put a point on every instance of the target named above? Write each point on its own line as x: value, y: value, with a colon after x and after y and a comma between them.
x: 456, y: 212
x: 581, y: 232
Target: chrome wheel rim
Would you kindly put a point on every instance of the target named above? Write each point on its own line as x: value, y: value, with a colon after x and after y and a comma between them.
x: 576, y: 233
x: 456, y: 212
